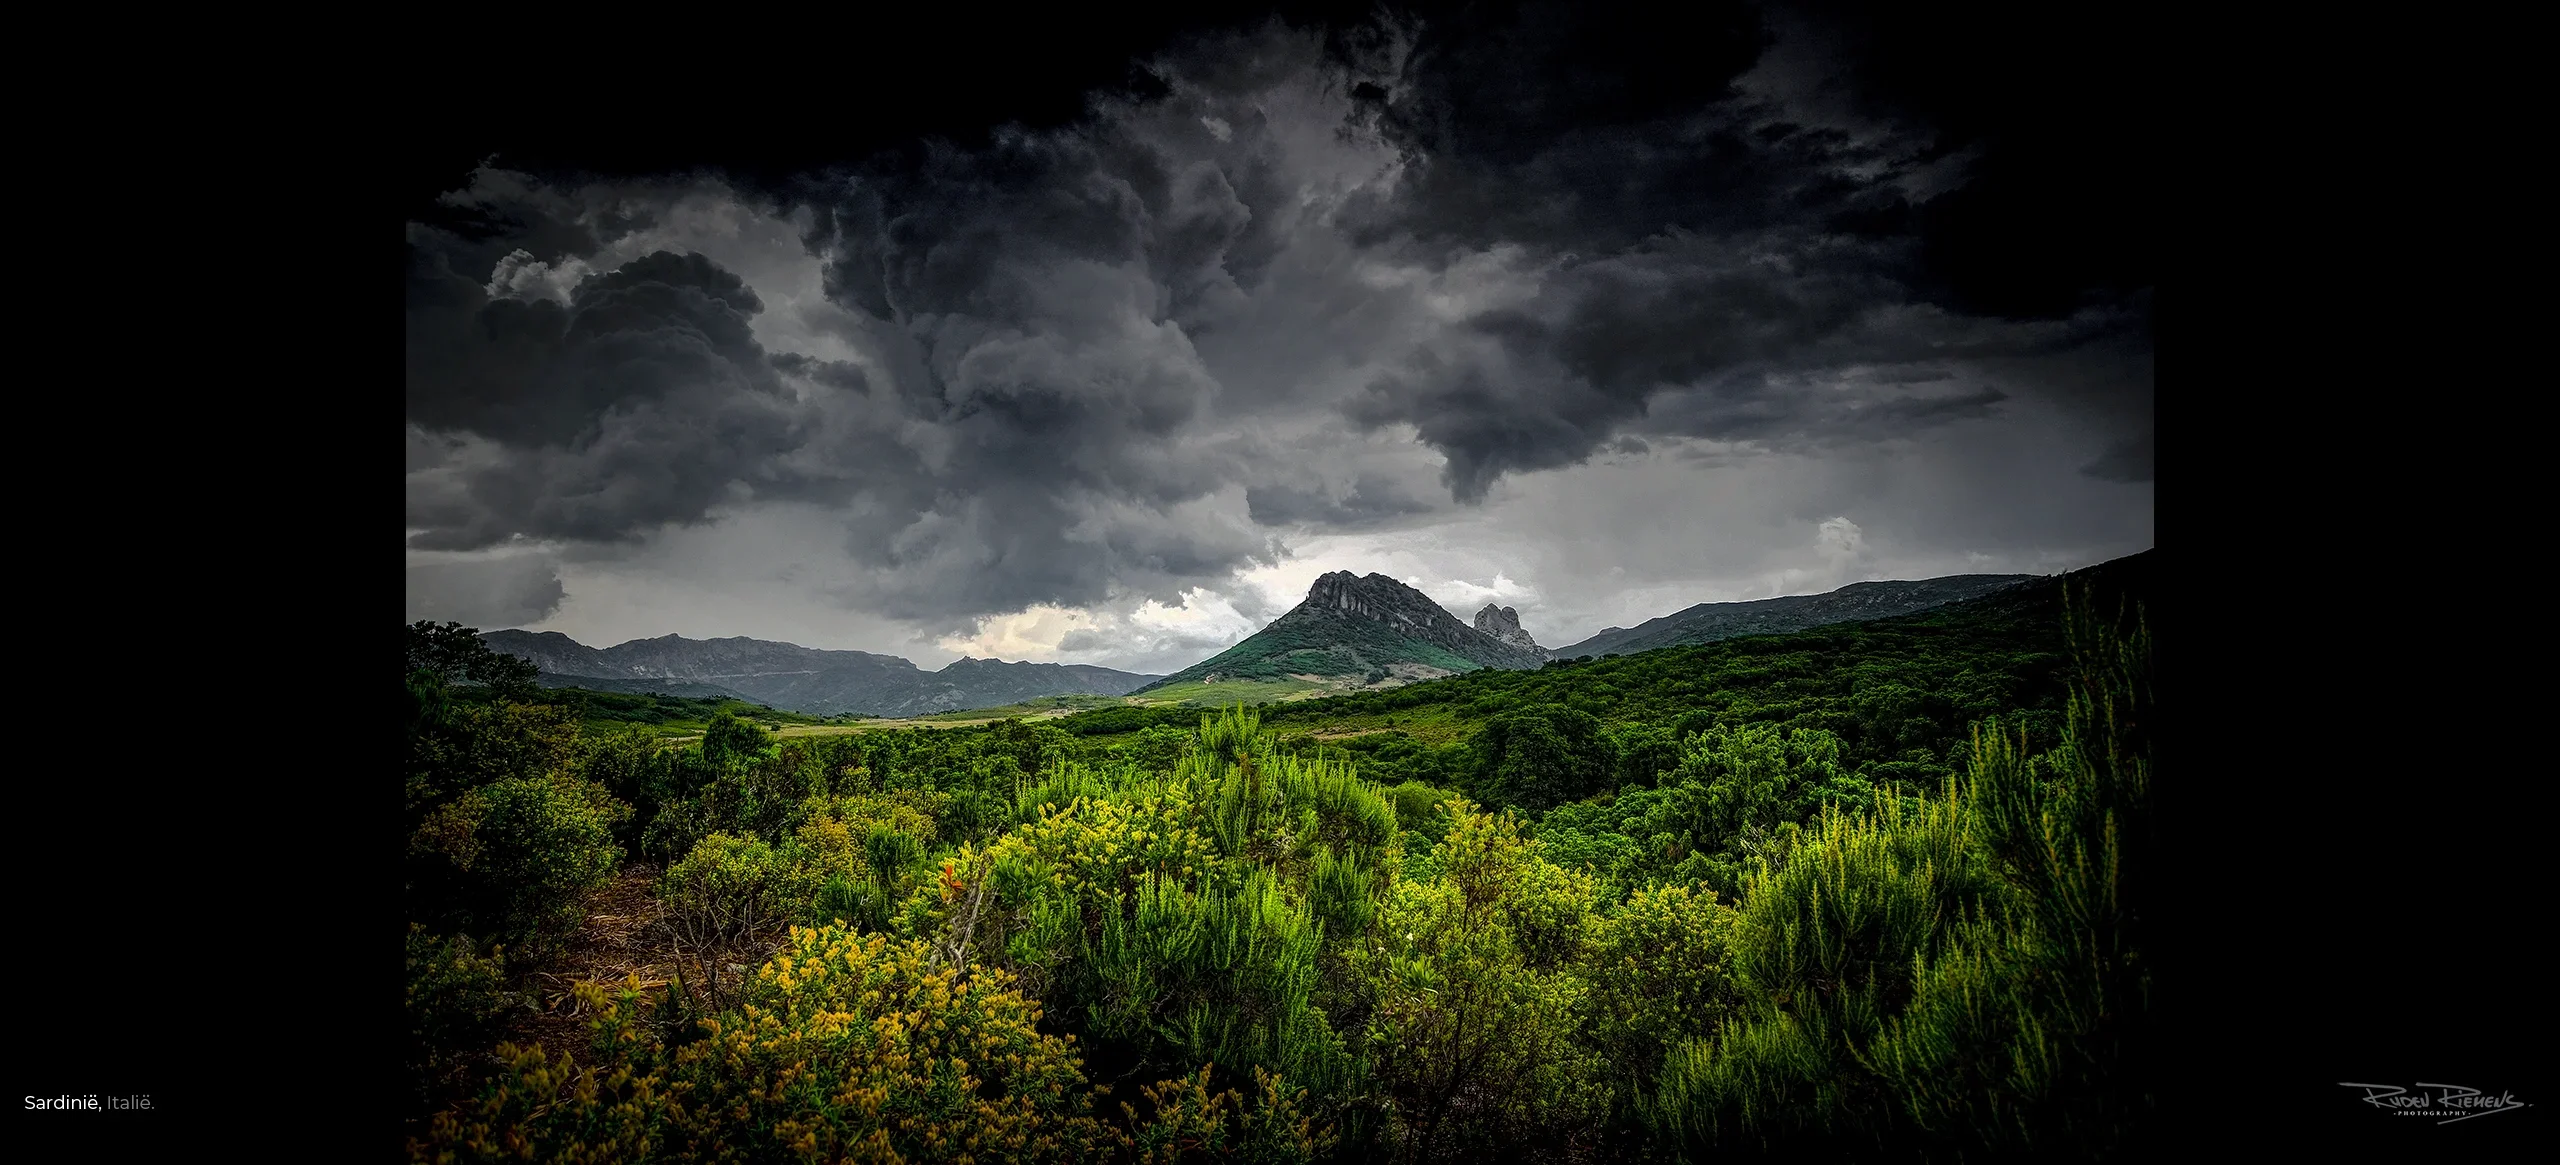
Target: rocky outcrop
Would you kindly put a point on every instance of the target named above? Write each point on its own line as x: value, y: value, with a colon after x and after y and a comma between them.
x: 1503, y: 623
x: 1411, y: 613
x: 1370, y: 630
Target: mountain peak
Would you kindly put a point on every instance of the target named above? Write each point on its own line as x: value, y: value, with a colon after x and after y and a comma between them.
x: 1361, y: 631
x: 1503, y: 623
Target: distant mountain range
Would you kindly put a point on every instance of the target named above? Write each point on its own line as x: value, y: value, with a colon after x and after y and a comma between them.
x: 802, y: 679
x: 1362, y: 631
x: 1855, y: 603
x: 1351, y: 632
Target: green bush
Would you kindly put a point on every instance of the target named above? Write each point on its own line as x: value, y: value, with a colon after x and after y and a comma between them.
x: 1540, y: 757
x: 458, y: 747
x: 1661, y: 973
x: 513, y: 858
x: 728, y: 741
x: 1473, y: 1001
x: 455, y: 1002
x: 726, y: 891
x: 1962, y: 973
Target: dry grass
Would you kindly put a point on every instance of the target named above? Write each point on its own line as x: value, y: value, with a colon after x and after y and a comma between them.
x: 623, y: 937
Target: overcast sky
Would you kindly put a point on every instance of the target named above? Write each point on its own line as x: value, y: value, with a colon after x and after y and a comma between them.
x: 1580, y: 315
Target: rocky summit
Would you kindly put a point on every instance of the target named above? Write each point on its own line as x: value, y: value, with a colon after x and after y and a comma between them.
x: 1361, y: 631
x: 1503, y: 623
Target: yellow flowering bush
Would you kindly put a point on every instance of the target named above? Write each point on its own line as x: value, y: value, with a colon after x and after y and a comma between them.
x: 1189, y: 1121
x: 843, y: 1048
x: 1110, y: 846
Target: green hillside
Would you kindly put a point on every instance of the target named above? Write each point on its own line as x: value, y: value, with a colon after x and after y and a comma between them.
x: 1320, y: 644
x: 1805, y: 896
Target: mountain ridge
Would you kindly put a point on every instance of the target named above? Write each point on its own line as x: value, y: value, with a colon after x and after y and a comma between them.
x: 819, y: 681
x: 1856, y: 602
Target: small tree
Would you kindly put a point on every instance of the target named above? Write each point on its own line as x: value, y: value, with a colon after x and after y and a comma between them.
x: 1540, y: 757
x: 455, y: 654
x: 728, y: 740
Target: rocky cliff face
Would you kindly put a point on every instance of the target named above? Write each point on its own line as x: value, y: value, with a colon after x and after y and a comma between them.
x: 1503, y: 623
x: 1411, y: 613
x: 1372, y: 630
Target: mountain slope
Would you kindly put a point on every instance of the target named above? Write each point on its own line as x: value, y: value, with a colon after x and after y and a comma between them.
x: 1371, y: 629
x: 802, y: 679
x: 1857, y: 602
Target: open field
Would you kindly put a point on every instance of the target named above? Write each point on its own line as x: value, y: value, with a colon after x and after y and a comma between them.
x: 1203, y: 695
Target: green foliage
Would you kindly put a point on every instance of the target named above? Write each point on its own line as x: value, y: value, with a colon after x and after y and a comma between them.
x: 455, y: 654
x: 1474, y: 1000
x: 454, y: 748
x: 1538, y: 757
x: 1661, y: 974
x: 1961, y: 971
x: 1187, y: 1121
x: 842, y: 1048
x: 455, y: 1001
x: 725, y: 891
x: 1817, y: 895
x: 511, y: 859
x: 1180, y: 916
x: 729, y: 741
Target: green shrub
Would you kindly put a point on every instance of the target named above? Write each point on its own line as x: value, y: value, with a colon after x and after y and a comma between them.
x: 1964, y: 973
x: 728, y: 742
x: 458, y: 747
x: 1540, y: 757
x: 455, y: 1002
x: 1188, y: 1121
x: 727, y: 890
x: 1474, y: 997
x: 1661, y: 975
x: 513, y: 858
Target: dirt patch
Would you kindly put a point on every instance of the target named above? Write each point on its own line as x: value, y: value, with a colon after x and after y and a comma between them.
x: 622, y: 937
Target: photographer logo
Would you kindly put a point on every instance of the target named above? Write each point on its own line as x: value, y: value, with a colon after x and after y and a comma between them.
x: 2441, y: 1104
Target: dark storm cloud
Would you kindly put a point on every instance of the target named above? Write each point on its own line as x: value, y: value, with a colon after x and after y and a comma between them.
x: 1585, y: 128
x: 1109, y: 356
x: 536, y: 372
x: 635, y: 404
x: 2127, y: 460
x: 1370, y: 500
x: 1727, y: 222
x: 1555, y: 125
x: 493, y: 593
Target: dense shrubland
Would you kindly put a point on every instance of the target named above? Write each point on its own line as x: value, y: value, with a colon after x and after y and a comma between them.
x: 1860, y: 893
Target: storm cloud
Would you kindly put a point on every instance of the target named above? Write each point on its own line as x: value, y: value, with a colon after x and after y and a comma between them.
x: 1324, y: 280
